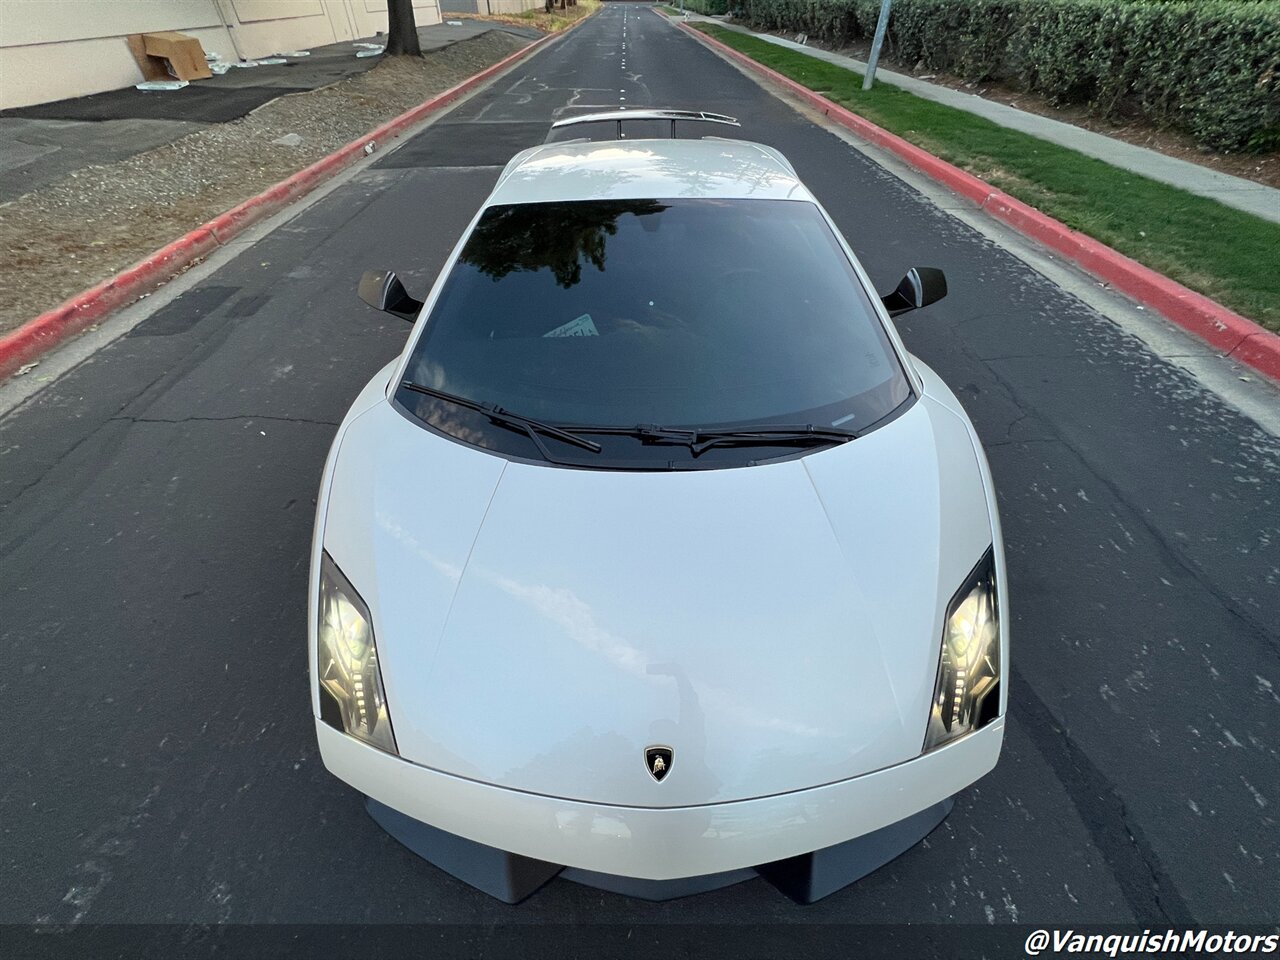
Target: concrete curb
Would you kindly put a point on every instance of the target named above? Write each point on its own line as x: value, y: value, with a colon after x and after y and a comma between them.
x: 41, y: 334
x: 1237, y: 337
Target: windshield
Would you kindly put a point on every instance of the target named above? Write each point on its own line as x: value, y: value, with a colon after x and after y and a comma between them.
x: 682, y: 313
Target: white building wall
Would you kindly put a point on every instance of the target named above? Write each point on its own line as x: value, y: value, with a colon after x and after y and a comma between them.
x: 54, y: 49
x: 507, y: 6
x: 489, y: 6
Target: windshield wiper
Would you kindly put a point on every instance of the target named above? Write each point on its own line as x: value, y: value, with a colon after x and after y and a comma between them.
x: 498, y: 414
x: 699, y: 440
x: 806, y: 434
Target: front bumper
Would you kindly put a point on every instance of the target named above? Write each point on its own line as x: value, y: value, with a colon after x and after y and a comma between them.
x: 664, y: 843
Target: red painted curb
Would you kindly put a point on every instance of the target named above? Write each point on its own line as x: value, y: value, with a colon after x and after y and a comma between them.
x: 43, y: 333
x: 1236, y: 336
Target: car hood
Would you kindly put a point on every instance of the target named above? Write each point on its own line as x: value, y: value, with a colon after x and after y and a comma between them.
x: 776, y: 626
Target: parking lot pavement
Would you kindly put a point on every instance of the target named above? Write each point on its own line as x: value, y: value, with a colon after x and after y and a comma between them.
x: 157, y: 512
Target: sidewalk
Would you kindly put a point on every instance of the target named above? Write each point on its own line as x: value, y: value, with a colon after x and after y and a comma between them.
x: 45, y: 142
x: 1245, y: 195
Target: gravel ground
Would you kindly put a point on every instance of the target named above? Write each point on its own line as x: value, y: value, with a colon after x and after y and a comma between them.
x: 78, y: 231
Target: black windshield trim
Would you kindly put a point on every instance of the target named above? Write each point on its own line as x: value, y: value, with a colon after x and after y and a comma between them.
x: 501, y: 415
x: 613, y: 465
x: 869, y: 392
x: 703, y: 438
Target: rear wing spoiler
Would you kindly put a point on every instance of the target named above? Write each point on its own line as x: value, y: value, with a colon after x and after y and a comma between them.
x: 618, y: 116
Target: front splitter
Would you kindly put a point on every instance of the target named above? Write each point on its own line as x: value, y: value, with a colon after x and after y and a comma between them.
x: 806, y: 878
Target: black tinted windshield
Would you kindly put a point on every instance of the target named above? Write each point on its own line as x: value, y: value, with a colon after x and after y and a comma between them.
x: 683, y: 313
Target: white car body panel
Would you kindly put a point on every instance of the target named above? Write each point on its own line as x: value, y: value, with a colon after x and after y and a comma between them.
x: 778, y: 625
x: 933, y: 387
x: 637, y: 169
x: 762, y: 621
x: 668, y: 843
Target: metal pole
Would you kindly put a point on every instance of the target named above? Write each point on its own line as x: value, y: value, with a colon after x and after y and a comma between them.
x: 876, y: 44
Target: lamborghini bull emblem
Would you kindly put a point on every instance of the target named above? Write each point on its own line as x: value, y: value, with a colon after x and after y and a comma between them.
x: 658, y: 762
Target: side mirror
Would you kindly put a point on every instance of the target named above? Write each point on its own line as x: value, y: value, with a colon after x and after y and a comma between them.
x: 919, y: 288
x: 383, y: 290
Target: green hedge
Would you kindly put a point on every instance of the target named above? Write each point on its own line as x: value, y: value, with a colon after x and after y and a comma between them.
x: 1211, y: 68
x: 710, y: 8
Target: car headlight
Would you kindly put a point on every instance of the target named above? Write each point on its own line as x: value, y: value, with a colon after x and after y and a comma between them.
x: 351, y: 694
x: 966, y: 696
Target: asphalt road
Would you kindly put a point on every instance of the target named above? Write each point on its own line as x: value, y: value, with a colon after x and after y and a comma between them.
x: 159, y: 761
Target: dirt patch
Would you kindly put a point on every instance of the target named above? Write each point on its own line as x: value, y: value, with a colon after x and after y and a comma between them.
x: 69, y: 235
x: 1005, y: 179
x: 1261, y: 168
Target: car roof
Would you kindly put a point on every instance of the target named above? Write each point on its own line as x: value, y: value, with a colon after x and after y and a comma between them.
x: 663, y: 169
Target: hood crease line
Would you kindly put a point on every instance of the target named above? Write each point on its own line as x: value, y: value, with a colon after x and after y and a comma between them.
x: 897, y: 702
x: 448, y: 614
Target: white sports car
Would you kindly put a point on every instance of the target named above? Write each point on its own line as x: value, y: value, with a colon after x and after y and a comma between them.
x: 655, y: 561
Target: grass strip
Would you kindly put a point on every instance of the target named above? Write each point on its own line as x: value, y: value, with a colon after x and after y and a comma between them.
x: 1231, y: 256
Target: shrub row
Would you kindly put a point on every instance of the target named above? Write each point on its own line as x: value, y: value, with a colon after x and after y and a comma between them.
x: 1211, y: 68
x: 710, y: 8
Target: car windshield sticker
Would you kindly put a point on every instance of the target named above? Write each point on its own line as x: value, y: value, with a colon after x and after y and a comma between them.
x: 582, y: 327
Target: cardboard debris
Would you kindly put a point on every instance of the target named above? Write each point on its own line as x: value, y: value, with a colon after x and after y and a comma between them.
x: 168, y: 54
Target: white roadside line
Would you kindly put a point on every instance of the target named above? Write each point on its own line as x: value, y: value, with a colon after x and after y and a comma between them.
x: 1238, y: 386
